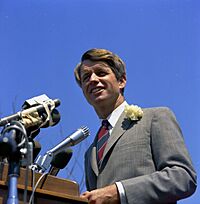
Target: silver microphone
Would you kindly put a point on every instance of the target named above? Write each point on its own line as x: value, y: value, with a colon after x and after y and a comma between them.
x: 44, y: 162
x: 72, y: 140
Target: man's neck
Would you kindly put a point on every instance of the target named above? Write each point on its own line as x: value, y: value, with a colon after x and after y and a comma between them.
x: 104, y: 111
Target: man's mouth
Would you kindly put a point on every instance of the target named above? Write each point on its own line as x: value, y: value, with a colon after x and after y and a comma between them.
x: 96, y: 90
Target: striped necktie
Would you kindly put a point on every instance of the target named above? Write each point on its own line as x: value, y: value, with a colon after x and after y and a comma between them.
x: 102, y: 138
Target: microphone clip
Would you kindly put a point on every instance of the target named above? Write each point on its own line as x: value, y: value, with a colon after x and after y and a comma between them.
x: 43, y: 162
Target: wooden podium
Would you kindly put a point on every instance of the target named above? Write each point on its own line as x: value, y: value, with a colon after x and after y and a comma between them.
x: 51, y: 189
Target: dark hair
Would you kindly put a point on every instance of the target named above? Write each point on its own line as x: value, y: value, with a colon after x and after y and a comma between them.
x: 115, y: 63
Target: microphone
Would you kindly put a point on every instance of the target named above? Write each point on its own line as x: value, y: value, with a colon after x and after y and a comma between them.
x: 60, y: 161
x: 43, y: 162
x: 72, y: 140
x: 39, y: 111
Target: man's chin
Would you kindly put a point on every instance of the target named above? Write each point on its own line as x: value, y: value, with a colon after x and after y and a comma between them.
x: 98, y: 101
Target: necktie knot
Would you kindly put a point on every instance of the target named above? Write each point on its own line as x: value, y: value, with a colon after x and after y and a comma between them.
x: 105, y: 124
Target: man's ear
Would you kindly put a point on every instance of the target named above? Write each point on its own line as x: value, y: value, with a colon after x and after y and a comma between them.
x: 122, y: 81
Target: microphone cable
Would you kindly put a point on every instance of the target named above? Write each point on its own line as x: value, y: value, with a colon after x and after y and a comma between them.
x: 35, y: 187
x: 31, y: 200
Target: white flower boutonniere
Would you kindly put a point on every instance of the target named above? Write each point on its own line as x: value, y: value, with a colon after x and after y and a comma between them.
x: 133, y: 112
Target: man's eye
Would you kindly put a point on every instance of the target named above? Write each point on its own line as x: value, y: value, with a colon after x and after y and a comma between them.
x: 85, y: 77
x: 101, y: 73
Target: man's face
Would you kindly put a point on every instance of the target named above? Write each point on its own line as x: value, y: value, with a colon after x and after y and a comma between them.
x: 99, y: 83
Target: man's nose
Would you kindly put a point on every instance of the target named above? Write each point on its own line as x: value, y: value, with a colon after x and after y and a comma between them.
x: 94, y: 77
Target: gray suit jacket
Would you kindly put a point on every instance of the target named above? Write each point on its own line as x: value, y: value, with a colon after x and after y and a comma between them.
x: 148, y: 156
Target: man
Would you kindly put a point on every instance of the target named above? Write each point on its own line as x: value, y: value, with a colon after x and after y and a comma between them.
x: 143, y: 159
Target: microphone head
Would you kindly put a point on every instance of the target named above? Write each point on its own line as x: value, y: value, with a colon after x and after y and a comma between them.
x: 86, y: 131
x: 61, y: 159
x: 77, y: 138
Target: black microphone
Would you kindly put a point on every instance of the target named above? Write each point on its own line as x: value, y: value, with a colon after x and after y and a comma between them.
x: 34, y: 113
x: 60, y: 161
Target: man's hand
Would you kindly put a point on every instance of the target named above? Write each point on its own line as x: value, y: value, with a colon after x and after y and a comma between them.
x: 108, y: 194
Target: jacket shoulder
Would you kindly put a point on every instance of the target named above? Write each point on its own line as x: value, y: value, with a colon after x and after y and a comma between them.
x: 158, y: 110
x: 157, y: 113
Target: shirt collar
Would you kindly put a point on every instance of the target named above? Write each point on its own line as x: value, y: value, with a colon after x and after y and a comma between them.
x: 114, y: 116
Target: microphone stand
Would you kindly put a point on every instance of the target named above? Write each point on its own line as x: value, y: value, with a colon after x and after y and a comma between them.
x: 13, y: 173
x: 9, y: 147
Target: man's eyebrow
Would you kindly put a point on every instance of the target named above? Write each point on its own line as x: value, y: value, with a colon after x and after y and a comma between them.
x: 85, y: 71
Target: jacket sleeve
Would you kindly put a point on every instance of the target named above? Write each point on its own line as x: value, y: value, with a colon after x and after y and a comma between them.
x: 174, y: 178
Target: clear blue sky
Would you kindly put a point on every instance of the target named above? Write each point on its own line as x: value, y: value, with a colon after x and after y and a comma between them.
x: 42, y: 41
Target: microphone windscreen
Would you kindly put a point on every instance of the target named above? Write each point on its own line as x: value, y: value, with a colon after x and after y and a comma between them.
x: 61, y: 159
